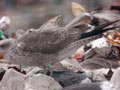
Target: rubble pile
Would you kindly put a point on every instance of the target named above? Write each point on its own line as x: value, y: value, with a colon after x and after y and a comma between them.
x: 83, y: 55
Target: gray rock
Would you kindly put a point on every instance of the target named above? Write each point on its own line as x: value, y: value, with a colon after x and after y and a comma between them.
x: 90, y: 86
x: 98, y: 62
x: 41, y: 82
x: 105, y: 57
x: 32, y: 71
x: 96, y: 76
x: 115, y: 80
x: 71, y: 64
x: 87, y: 80
x: 12, y: 80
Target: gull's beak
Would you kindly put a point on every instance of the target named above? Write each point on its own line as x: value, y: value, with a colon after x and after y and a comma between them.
x: 99, y: 29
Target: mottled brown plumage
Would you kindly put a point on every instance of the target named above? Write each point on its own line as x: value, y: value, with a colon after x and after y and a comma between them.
x: 48, y: 45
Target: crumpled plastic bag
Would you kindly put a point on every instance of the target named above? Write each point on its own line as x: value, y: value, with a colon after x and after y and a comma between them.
x: 65, y: 77
x: 99, y: 43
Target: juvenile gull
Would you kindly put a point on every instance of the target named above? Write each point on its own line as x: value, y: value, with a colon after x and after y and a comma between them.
x: 51, y: 45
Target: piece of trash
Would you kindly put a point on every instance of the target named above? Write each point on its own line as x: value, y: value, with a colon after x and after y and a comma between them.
x: 1, y: 56
x: 113, y: 38
x: 77, y: 9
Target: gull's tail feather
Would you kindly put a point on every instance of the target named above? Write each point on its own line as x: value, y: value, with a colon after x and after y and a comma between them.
x: 99, y: 30
x: 105, y: 25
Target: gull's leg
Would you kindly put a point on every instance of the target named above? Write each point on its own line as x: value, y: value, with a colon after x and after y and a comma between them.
x: 50, y: 69
x: 51, y: 72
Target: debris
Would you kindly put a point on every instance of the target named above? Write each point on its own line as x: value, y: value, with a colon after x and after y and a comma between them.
x: 94, y: 58
x: 90, y: 86
x: 87, y: 80
x: 5, y: 21
x: 115, y: 79
x: 96, y: 76
x: 41, y: 82
x: 2, y: 72
x: 17, y: 69
x: 98, y: 62
x: 77, y: 9
x: 13, y: 80
x: 1, y: 56
x: 66, y: 78
x: 99, y: 43
x: 71, y: 64
x: 109, y: 74
x: 115, y: 8
x: 114, y: 84
x: 113, y: 38
x: 78, y: 54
